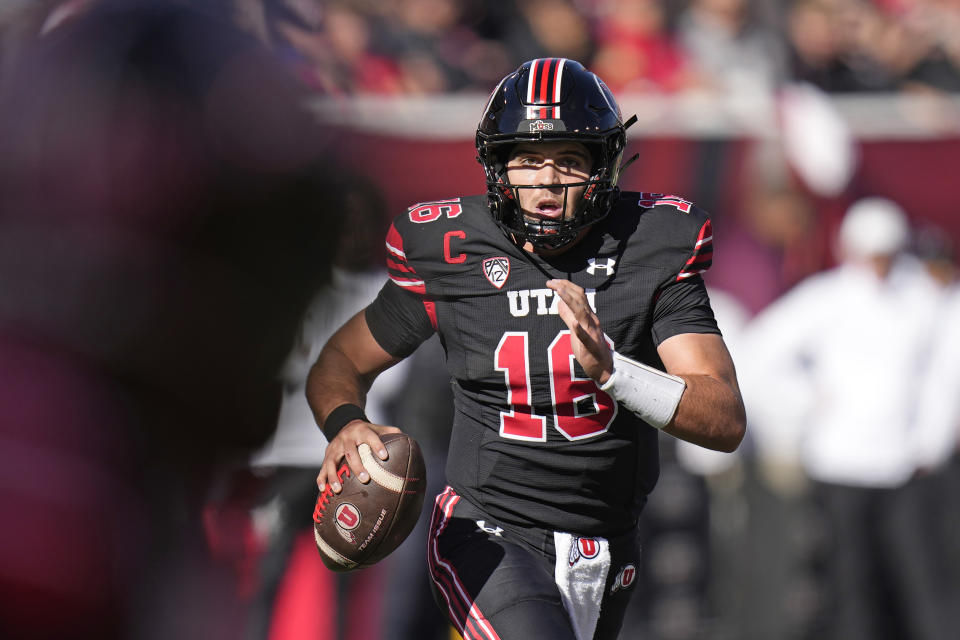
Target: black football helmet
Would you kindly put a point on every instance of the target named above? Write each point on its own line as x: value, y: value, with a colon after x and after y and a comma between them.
x: 551, y: 99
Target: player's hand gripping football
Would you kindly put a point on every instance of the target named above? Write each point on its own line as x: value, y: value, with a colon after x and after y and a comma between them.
x: 345, y: 445
x: 590, y: 346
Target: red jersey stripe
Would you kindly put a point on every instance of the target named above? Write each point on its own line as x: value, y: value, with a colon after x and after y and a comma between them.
x: 399, y: 270
x: 401, y: 266
x: 702, y: 257
x: 394, y: 242
x: 417, y: 286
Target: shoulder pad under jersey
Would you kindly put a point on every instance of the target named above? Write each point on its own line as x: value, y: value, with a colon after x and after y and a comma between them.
x: 671, y: 232
x: 430, y: 243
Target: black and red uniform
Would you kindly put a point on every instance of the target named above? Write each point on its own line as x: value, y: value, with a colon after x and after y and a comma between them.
x: 536, y: 445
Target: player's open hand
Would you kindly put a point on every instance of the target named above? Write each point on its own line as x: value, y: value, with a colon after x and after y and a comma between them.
x: 345, y: 446
x: 590, y: 346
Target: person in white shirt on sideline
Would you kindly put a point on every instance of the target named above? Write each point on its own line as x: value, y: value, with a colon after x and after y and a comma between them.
x: 939, y: 409
x: 939, y: 412
x: 835, y: 371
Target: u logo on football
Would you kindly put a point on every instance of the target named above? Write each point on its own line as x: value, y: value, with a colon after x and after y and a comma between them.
x: 347, y: 516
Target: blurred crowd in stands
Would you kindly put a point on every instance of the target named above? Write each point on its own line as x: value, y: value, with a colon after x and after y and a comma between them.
x: 428, y: 47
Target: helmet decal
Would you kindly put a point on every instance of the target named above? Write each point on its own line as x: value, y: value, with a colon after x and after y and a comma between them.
x: 543, y: 87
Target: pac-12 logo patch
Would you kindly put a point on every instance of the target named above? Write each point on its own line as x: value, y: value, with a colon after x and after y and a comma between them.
x: 587, y: 548
x: 625, y: 578
x: 496, y: 270
x: 347, y: 519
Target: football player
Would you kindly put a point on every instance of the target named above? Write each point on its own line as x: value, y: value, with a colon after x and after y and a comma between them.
x: 576, y: 327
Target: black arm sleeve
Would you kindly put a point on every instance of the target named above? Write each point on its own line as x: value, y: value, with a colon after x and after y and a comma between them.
x: 683, y: 307
x: 398, y: 320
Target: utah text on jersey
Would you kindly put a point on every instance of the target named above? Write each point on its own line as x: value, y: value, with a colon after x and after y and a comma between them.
x: 520, y: 301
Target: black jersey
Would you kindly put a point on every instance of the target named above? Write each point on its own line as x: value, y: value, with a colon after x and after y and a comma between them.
x: 535, y: 441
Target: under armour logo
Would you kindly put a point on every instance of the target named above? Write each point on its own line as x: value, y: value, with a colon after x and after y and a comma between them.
x: 607, y: 265
x: 496, y: 531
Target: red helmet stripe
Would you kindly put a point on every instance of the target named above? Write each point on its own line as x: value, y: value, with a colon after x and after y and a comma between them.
x: 545, y: 81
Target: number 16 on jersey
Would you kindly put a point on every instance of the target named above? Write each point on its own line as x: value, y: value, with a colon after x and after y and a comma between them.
x: 580, y: 408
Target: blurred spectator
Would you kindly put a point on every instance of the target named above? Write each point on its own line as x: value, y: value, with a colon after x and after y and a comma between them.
x: 547, y: 28
x: 437, y: 51
x: 331, y: 48
x: 931, y: 48
x: 939, y: 412
x: 730, y: 47
x: 936, y: 250
x: 832, y: 45
x: 411, y: 47
x: 851, y: 45
x: 814, y: 46
x: 163, y: 220
x: 916, y: 43
x: 429, y: 47
x: 635, y: 51
x: 833, y: 378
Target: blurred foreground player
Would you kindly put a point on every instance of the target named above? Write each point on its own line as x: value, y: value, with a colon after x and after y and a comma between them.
x: 290, y: 579
x: 161, y: 218
x: 576, y: 326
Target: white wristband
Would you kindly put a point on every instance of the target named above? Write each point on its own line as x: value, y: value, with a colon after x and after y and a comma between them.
x: 649, y: 393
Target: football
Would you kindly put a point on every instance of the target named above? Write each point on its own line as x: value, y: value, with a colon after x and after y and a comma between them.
x: 364, y: 523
